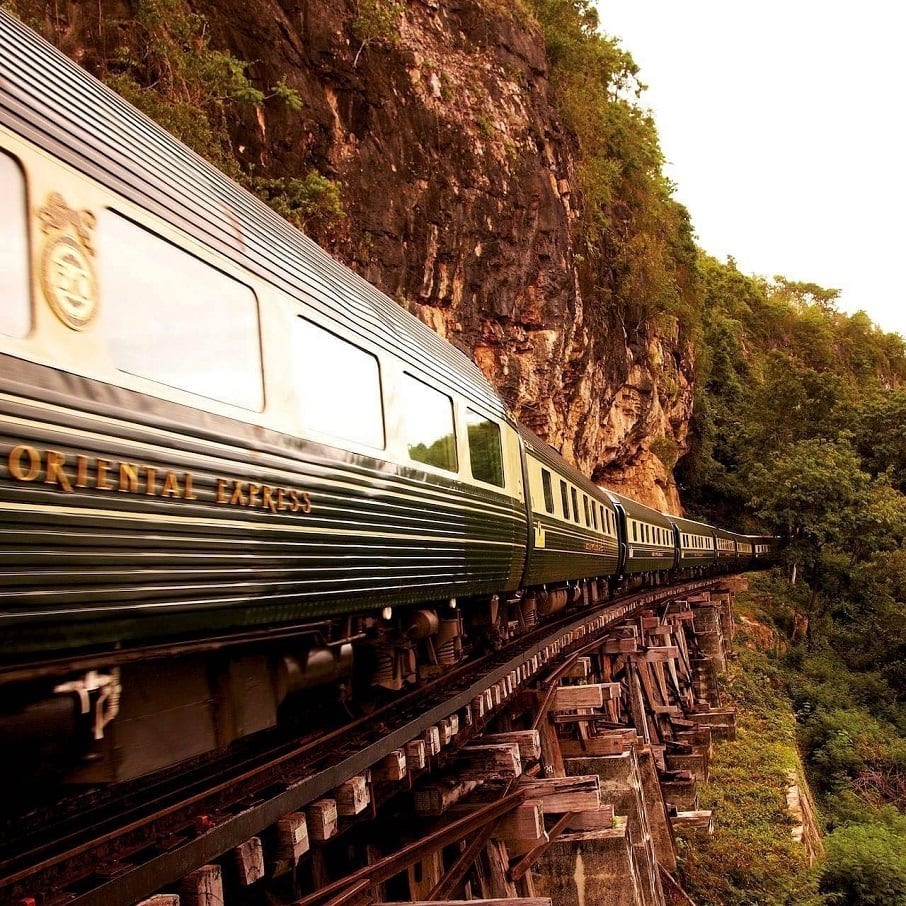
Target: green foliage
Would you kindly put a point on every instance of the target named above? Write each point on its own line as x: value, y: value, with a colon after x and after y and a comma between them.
x: 638, y: 238
x: 752, y: 857
x: 377, y: 23
x: 851, y: 724
x: 866, y: 864
x: 312, y: 203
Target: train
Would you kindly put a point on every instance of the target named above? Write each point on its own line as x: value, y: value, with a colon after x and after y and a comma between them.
x: 232, y: 472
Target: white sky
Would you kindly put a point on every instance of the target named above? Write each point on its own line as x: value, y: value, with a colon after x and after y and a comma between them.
x: 783, y: 124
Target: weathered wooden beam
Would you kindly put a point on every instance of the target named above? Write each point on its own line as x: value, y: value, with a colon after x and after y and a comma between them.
x: 352, y: 796
x: 397, y: 862
x: 523, y: 823
x: 593, y: 745
x: 568, y: 698
x: 248, y: 858
x: 489, y: 762
x: 593, y: 819
x: 321, y: 817
x: 526, y: 862
x: 435, y: 798
x: 391, y: 768
x: 528, y: 741
x: 203, y: 887
x: 564, y: 794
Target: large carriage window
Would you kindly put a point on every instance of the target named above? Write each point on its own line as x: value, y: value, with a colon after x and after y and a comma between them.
x: 176, y: 320
x: 484, y: 448
x: 428, y: 425
x: 575, y: 496
x: 15, y: 319
x: 338, y: 384
x: 548, y: 490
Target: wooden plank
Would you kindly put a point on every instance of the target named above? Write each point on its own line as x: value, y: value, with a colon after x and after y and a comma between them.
x: 352, y: 796
x: 569, y: 698
x: 659, y: 653
x: 416, y: 755
x: 528, y: 741
x: 593, y: 745
x: 564, y: 794
x: 523, y: 823
x: 592, y: 819
x: 248, y: 858
x: 436, y: 798
x: 292, y: 838
x: 391, y: 768
x: 203, y: 887
x: 489, y: 762
x: 321, y: 817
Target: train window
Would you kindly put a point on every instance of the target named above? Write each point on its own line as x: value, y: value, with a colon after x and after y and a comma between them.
x: 176, y: 320
x: 339, y: 385
x: 585, y: 509
x: 635, y: 536
x: 575, y: 497
x: 15, y: 313
x: 428, y: 425
x: 594, y: 515
x: 564, y: 496
x: 485, y: 452
x: 548, y: 490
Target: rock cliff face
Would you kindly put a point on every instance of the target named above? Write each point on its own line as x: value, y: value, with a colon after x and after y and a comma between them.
x: 459, y: 182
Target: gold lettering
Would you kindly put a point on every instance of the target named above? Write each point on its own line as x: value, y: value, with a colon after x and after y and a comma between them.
x: 16, y: 468
x: 296, y: 504
x: 150, y: 481
x: 188, y: 495
x: 268, y: 501
x: 221, y: 491
x: 306, y: 502
x: 128, y: 478
x: 171, y: 486
x: 238, y: 497
x: 81, y: 478
x: 102, y: 483
x: 254, y: 490
x: 55, y: 473
x: 281, y: 499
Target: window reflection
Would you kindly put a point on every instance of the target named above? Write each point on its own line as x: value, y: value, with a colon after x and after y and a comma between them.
x: 338, y: 384
x: 176, y: 320
x: 484, y: 449
x: 15, y: 314
x: 428, y: 425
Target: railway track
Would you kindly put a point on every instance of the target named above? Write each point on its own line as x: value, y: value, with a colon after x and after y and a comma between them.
x: 124, y: 846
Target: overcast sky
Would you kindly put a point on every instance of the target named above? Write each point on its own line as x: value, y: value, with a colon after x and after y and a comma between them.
x: 782, y: 122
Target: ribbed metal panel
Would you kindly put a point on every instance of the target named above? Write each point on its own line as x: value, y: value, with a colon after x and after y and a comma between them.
x: 570, y: 551
x: 99, y: 565
x: 693, y: 557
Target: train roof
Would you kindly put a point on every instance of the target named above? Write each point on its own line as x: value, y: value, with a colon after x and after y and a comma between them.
x: 555, y: 461
x: 47, y: 98
x: 690, y: 525
x: 636, y: 510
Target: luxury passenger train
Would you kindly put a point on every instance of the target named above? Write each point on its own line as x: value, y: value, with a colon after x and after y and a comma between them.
x: 231, y: 470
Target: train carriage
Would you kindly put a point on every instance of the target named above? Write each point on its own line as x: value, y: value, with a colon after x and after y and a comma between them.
x: 208, y: 422
x: 725, y: 543
x: 648, y: 544
x: 695, y: 544
x: 230, y: 469
x: 574, y: 522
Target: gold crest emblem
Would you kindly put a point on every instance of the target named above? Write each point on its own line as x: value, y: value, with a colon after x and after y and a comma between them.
x: 67, y: 274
